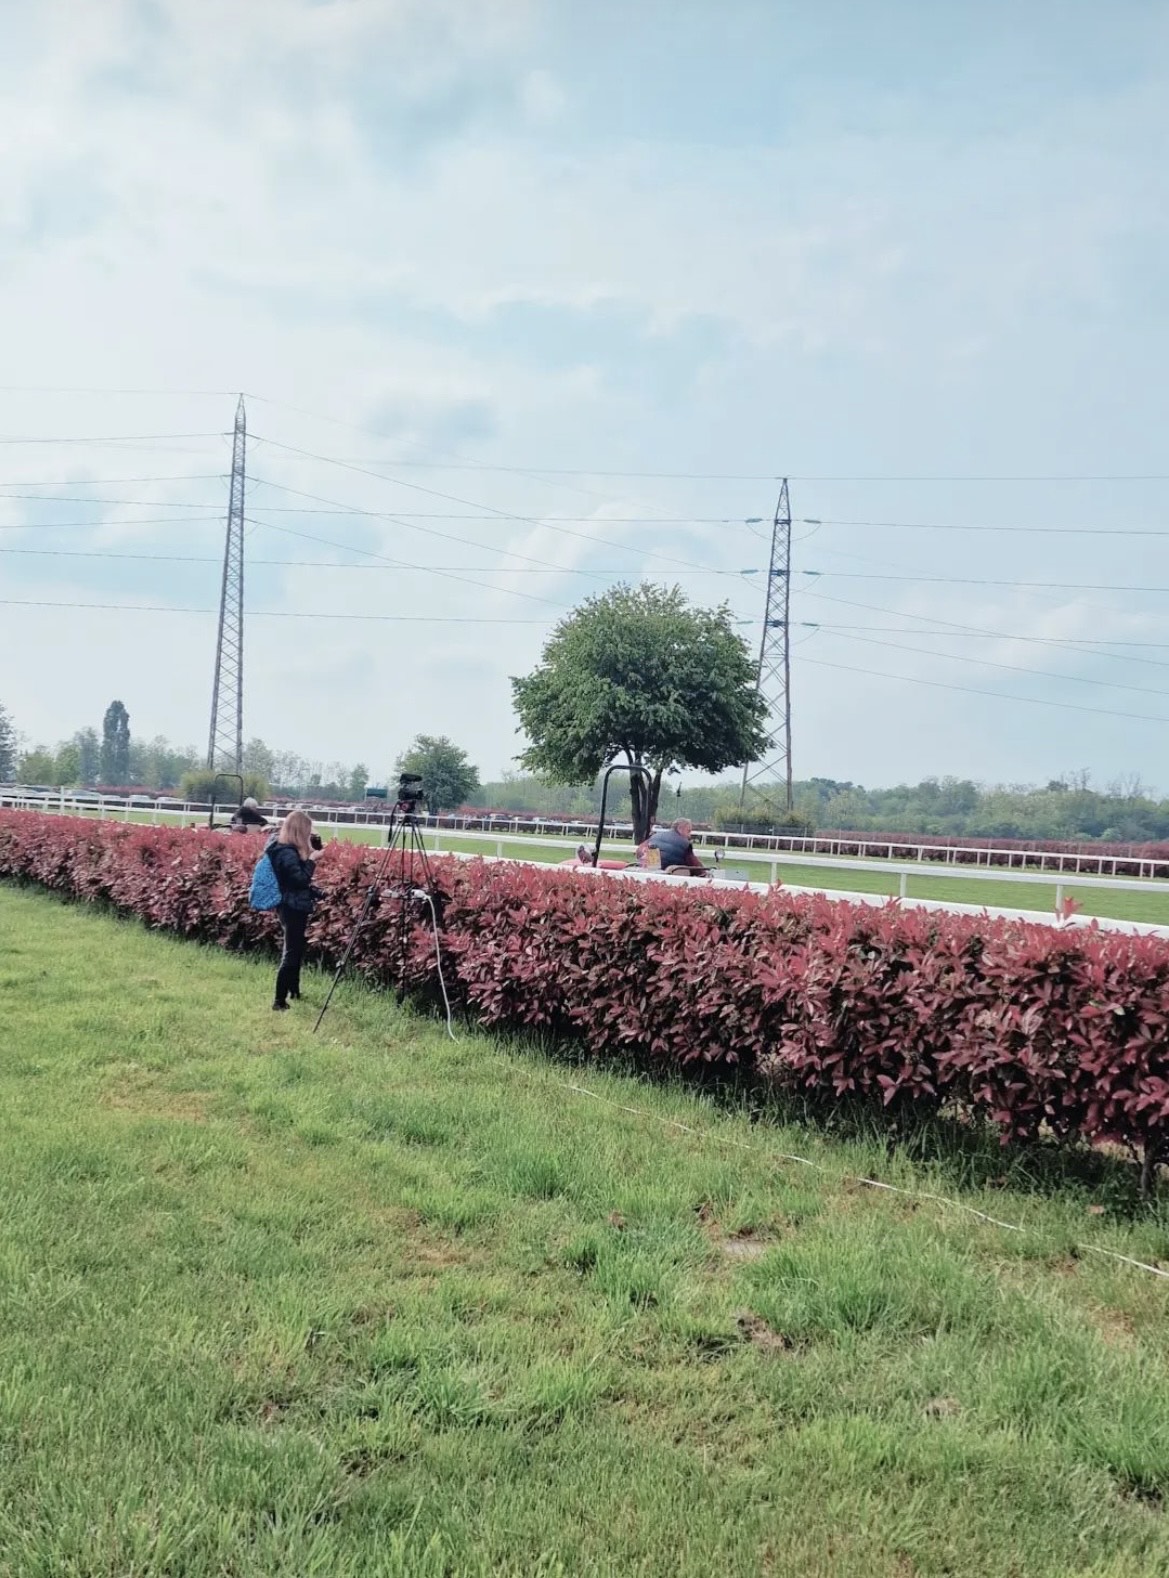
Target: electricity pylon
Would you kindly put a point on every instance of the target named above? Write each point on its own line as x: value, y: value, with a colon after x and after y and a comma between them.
x: 773, y: 680
x: 225, y: 745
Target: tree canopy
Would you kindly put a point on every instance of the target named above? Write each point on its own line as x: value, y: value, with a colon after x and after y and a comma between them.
x: 115, y: 744
x: 448, y: 778
x: 7, y: 745
x: 639, y: 674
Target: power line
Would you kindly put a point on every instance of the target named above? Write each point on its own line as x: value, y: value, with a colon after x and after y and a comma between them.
x: 451, y: 498
x: 460, y: 460
x: 961, y: 632
x: 999, y: 695
x: 95, y: 482
x: 219, y: 394
x: 539, y: 472
x: 400, y: 520
x: 965, y: 580
x: 1117, y: 476
x: 466, y: 542
x: 1011, y: 668
x: 1053, y: 531
x: 115, y: 438
x: 131, y: 520
x: 435, y: 515
x: 606, y: 520
x: 403, y: 564
x: 1072, y: 645
x: 277, y: 613
x: 332, y: 564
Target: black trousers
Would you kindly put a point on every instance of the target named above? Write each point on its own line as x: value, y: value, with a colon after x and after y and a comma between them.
x: 293, y: 923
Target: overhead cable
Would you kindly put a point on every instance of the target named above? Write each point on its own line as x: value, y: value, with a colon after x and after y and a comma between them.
x: 998, y: 695
x: 530, y: 520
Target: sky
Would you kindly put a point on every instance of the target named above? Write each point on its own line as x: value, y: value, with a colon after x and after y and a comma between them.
x: 529, y: 298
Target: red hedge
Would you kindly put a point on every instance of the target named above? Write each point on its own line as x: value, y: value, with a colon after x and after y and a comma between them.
x: 1019, y: 1024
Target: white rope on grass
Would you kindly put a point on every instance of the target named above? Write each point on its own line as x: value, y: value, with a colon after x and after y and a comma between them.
x: 868, y: 1183
x: 779, y: 1156
x: 422, y: 893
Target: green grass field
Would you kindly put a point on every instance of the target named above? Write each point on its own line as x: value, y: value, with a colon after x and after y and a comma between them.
x: 373, y: 1304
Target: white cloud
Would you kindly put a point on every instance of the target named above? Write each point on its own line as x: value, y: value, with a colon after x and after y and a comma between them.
x: 331, y: 204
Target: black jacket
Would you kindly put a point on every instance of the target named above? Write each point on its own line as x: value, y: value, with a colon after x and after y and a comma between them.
x: 246, y: 816
x: 294, y: 875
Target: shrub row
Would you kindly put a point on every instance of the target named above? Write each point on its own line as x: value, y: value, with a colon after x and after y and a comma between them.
x: 1028, y: 1028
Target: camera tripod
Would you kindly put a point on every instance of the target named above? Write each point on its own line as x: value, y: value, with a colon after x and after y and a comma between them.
x: 415, y: 881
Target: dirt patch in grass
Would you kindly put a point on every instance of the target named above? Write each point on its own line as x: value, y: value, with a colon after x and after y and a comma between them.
x: 145, y: 1099
x: 757, y: 1332
x: 742, y: 1246
x: 1115, y: 1327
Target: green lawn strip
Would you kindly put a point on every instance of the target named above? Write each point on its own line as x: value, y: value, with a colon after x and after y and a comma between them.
x: 376, y: 1303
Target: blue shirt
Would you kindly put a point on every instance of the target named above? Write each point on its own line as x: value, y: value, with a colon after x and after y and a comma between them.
x: 675, y: 850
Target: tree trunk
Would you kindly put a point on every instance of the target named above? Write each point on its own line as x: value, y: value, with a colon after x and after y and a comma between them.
x: 638, y: 803
x: 655, y: 790
x: 643, y: 800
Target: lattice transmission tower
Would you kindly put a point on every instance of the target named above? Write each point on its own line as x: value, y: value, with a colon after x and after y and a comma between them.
x: 225, y: 746
x: 773, y: 680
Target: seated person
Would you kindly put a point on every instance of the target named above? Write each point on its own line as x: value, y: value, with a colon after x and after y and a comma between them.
x: 247, y: 816
x: 675, y: 852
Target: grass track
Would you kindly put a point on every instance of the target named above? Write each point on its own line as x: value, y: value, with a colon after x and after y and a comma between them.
x: 379, y: 1304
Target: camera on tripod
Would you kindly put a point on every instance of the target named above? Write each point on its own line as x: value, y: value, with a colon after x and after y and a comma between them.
x: 411, y: 882
x: 411, y: 793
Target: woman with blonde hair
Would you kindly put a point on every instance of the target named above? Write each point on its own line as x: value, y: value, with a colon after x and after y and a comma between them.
x: 290, y: 851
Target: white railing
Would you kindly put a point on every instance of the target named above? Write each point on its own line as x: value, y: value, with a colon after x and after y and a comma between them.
x: 874, y: 900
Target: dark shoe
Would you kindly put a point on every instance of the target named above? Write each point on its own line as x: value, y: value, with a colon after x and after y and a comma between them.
x: 280, y: 1008
x: 294, y: 997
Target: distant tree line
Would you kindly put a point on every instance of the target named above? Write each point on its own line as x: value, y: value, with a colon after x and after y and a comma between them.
x: 113, y: 756
x: 1066, y: 808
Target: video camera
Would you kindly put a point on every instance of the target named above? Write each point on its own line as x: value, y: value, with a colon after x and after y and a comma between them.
x: 411, y: 794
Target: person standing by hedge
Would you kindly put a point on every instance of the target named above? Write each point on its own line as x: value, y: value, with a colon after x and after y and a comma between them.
x: 290, y: 851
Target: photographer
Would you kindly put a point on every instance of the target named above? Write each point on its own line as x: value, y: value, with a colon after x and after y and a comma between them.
x: 290, y: 852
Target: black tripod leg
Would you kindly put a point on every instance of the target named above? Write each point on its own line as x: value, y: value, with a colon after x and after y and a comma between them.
x: 349, y: 947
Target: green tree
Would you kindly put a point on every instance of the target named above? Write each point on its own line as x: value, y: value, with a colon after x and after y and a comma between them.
x: 7, y: 745
x: 115, y: 744
x: 158, y: 764
x: 641, y: 675
x: 89, y: 750
x: 67, y: 769
x: 358, y: 779
x: 200, y: 783
x: 258, y: 759
x: 447, y: 776
x: 37, y: 766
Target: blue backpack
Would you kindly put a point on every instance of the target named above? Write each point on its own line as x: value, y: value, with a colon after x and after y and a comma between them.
x: 265, y: 891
